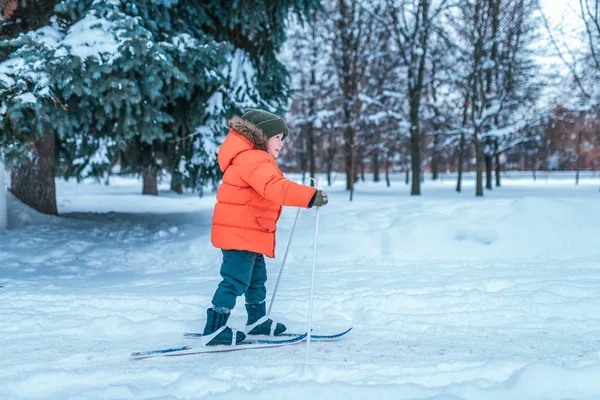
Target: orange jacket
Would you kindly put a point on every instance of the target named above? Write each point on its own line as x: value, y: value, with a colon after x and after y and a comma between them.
x: 253, y: 191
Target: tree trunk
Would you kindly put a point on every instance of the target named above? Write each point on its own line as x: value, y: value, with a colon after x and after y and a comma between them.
x: 352, y: 171
x: 534, y: 166
x: 150, y: 171
x: 578, y: 150
x: 461, y: 148
x: 329, y: 167
x: 349, y: 157
x: 362, y: 168
x: 461, y: 152
x: 497, y: 167
x: 435, y: 159
x: 310, y: 142
x: 376, y: 166
x: 32, y: 181
x: 149, y: 175
x: 488, y: 171
x: 479, y: 160
x: 387, y: 169
x: 303, y: 158
x: 416, y: 79
x: 330, y: 157
x: 177, y: 182
x: 415, y: 147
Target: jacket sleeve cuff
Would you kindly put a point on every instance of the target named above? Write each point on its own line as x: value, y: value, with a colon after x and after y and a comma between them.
x: 312, y: 200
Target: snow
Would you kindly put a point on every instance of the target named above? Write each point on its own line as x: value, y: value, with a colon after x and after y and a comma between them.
x: 12, y: 66
x: 241, y: 77
x: 450, y: 296
x: 26, y: 98
x: 92, y: 37
x: 48, y: 35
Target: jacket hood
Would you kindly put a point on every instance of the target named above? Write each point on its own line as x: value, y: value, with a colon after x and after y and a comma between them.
x: 244, y: 135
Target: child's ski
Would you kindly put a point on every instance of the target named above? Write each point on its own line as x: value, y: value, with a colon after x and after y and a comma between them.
x: 194, y: 335
x: 246, y: 344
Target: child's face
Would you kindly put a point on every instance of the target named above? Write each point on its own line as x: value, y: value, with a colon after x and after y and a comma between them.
x: 275, y: 144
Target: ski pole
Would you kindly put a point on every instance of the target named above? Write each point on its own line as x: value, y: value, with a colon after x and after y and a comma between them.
x: 283, y: 264
x: 312, y: 283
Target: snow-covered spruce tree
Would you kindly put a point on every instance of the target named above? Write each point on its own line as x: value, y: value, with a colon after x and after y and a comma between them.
x: 28, y: 111
x: 23, y: 97
x: 151, y: 84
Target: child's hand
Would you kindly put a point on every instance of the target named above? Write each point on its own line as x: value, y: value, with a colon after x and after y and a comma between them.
x: 321, y: 199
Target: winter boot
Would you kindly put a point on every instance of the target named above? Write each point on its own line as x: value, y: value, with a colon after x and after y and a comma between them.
x: 258, y: 322
x: 217, y: 332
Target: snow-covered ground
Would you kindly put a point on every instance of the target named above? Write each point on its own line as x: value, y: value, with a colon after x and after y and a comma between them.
x: 450, y: 296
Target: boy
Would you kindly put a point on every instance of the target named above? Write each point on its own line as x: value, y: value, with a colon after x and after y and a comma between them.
x: 249, y: 203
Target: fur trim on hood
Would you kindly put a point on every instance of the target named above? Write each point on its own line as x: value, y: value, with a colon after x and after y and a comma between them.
x: 249, y: 131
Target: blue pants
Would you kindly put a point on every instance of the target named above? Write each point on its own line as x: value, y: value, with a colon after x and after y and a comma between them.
x: 243, y: 272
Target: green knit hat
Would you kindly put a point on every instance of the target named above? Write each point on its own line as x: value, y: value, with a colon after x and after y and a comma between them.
x: 269, y: 123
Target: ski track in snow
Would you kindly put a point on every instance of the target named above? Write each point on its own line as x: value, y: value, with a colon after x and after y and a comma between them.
x: 450, y: 297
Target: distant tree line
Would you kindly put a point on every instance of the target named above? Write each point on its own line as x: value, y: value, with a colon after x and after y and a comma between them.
x: 415, y: 85
x: 91, y: 88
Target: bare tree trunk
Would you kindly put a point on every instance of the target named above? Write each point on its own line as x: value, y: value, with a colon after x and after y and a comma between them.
x: 349, y: 156
x: 32, y: 181
x: 415, y: 149
x: 497, y: 164
x: 310, y: 139
x: 479, y: 159
x: 303, y: 161
x: 376, y: 166
x: 492, y: 76
x: 435, y: 159
x: 387, y: 168
x: 362, y: 169
x: 488, y: 171
x: 534, y: 163
x: 350, y: 69
x: 461, y: 148
x: 413, y: 49
x: 461, y: 154
x: 578, y: 152
x: 330, y: 156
